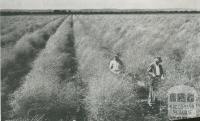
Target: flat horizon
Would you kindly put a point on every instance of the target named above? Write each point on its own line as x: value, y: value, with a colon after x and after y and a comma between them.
x: 100, y: 4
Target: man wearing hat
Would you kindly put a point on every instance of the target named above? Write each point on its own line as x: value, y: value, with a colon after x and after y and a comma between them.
x: 155, y: 72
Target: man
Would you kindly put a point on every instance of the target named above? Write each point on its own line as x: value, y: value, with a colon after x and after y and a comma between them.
x: 116, y: 65
x: 155, y: 72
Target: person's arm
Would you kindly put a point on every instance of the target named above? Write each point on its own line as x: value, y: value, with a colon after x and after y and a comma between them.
x: 122, y: 67
x: 150, y: 70
x: 111, y: 65
x: 162, y: 72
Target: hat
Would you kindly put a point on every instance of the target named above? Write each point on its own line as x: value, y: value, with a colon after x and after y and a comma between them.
x: 158, y: 58
x: 116, y: 55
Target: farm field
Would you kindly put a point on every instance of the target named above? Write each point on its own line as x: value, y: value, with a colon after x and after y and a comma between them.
x: 56, y: 67
x: 138, y: 39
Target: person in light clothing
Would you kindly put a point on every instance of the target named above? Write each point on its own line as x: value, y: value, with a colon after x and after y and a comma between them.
x: 155, y: 71
x: 116, y: 65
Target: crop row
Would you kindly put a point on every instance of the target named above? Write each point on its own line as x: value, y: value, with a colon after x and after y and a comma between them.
x: 21, y: 26
x: 17, y: 61
x: 109, y: 97
x: 50, y: 87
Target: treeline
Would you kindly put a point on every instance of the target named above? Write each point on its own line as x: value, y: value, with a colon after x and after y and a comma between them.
x: 95, y: 11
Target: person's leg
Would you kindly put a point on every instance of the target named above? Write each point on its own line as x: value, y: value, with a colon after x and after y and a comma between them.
x: 150, y: 97
x: 155, y: 88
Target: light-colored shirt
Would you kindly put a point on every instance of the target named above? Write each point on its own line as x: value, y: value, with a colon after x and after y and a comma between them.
x: 115, y: 67
x: 157, y: 70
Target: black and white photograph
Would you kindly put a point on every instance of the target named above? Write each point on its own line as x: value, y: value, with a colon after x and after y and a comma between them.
x: 100, y: 60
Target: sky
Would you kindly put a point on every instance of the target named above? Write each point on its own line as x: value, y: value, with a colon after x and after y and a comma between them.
x: 99, y: 4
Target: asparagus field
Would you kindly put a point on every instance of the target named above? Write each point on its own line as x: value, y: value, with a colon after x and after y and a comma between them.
x: 58, y: 69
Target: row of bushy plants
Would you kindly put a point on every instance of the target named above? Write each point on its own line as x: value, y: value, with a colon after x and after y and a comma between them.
x: 17, y: 62
x: 109, y: 97
x: 52, y: 88
x: 22, y: 25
